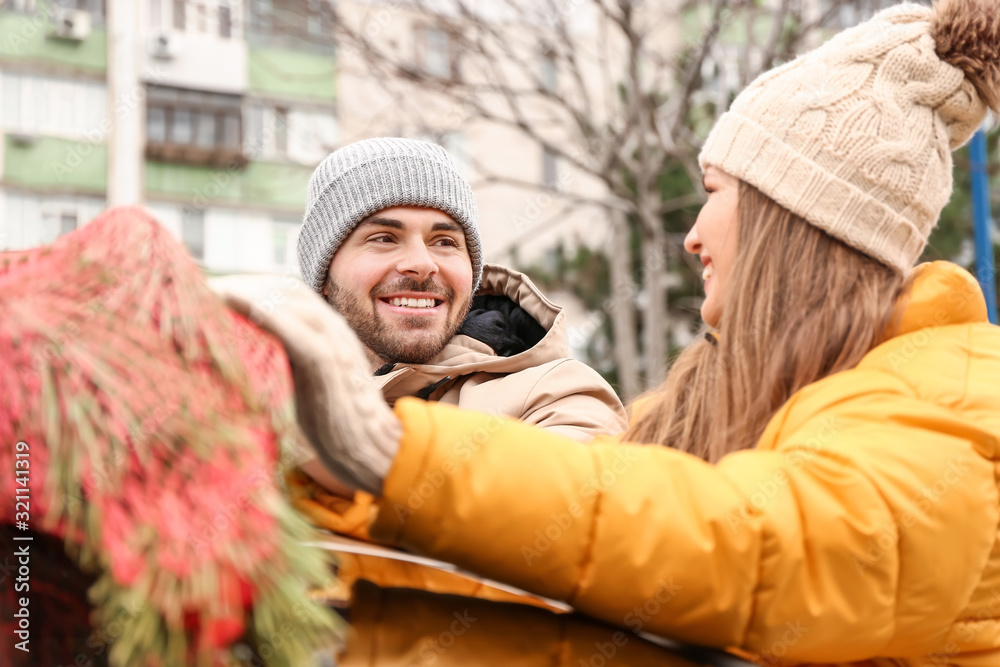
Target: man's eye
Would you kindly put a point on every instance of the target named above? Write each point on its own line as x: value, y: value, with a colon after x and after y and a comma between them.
x: 448, y: 242
x: 381, y: 239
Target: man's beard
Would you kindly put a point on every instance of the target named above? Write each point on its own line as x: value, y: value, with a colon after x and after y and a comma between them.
x: 403, y: 343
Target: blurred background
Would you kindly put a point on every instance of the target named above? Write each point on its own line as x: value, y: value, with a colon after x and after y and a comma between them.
x: 578, y: 122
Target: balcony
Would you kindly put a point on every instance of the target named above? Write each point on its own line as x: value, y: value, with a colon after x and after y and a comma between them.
x: 193, y: 127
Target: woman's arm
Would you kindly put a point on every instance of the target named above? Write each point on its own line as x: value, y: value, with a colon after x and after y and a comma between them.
x: 822, y: 550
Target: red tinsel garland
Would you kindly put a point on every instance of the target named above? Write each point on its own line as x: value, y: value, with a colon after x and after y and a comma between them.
x: 155, y: 418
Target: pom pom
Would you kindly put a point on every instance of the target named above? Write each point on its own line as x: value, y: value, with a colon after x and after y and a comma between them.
x: 967, y: 35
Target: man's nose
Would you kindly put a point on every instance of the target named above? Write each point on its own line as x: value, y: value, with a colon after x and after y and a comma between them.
x: 417, y: 262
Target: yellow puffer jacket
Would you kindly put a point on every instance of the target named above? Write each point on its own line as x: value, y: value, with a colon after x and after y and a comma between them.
x: 398, y: 627
x: 861, y: 530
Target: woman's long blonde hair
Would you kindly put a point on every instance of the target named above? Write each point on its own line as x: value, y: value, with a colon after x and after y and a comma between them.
x: 801, y: 305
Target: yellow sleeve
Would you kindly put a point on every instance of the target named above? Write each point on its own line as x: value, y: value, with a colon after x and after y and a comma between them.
x: 821, y: 550
x: 326, y: 510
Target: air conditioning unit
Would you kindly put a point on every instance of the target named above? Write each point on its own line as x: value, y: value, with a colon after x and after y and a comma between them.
x: 72, y: 24
x: 22, y: 138
x: 165, y: 45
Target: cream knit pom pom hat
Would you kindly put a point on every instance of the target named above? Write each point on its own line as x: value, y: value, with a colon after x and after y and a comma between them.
x: 856, y: 136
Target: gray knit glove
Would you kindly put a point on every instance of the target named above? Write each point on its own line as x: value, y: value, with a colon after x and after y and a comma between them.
x: 340, y: 409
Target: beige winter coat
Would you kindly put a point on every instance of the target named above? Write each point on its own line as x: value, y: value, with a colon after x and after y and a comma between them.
x: 541, y: 386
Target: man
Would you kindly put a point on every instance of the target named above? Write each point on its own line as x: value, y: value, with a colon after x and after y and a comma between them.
x: 391, y: 240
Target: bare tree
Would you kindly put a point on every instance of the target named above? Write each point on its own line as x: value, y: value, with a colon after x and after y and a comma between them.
x: 616, y: 90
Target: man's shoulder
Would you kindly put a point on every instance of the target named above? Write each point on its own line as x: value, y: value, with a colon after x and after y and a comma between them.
x: 518, y: 394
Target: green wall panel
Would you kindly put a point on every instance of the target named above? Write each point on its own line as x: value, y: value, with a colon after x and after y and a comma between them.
x: 24, y: 37
x: 278, y: 184
x: 291, y: 74
x: 57, y: 164
x: 268, y: 184
x: 198, y: 185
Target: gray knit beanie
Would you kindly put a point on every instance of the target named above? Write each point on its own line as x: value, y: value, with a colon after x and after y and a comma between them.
x: 368, y: 176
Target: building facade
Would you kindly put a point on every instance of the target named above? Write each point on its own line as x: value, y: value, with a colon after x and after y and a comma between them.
x: 210, y: 113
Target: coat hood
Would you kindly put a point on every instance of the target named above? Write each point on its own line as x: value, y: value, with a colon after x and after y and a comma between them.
x: 465, y: 355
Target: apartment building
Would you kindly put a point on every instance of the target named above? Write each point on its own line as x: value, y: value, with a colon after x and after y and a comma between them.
x: 210, y: 113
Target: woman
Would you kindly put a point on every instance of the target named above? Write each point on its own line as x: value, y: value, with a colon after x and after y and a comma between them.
x: 827, y: 486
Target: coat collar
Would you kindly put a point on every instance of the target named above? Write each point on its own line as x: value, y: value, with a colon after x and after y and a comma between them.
x: 464, y: 356
x: 941, y: 294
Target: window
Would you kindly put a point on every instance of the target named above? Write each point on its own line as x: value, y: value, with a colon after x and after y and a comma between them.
x: 550, y: 169
x: 435, y: 53
x: 28, y: 220
x: 312, y: 135
x: 155, y: 14
x: 285, y: 235
x: 193, y: 127
x: 11, y: 117
x: 301, y: 135
x: 205, y: 135
x: 67, y: 222
x: 95, y: 7
x: 180, y: 14
x: 208, y: 17
x: 319, y: 23
x: 549, y: 74
x: 454, y: 144
x: 225, y: 21
x: 180, y: 128
x: 34, y: 104
x: 268, y: 135
x: 58, y: 218
x: 291, y: 21
x: 254, y: 144
x: 156, y: 125
x: 261, y: 17
x: 193, y: 232
x: 202, y: 17
x: 230, y: 132
x: 19, y: 5
x: 281, y: 130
